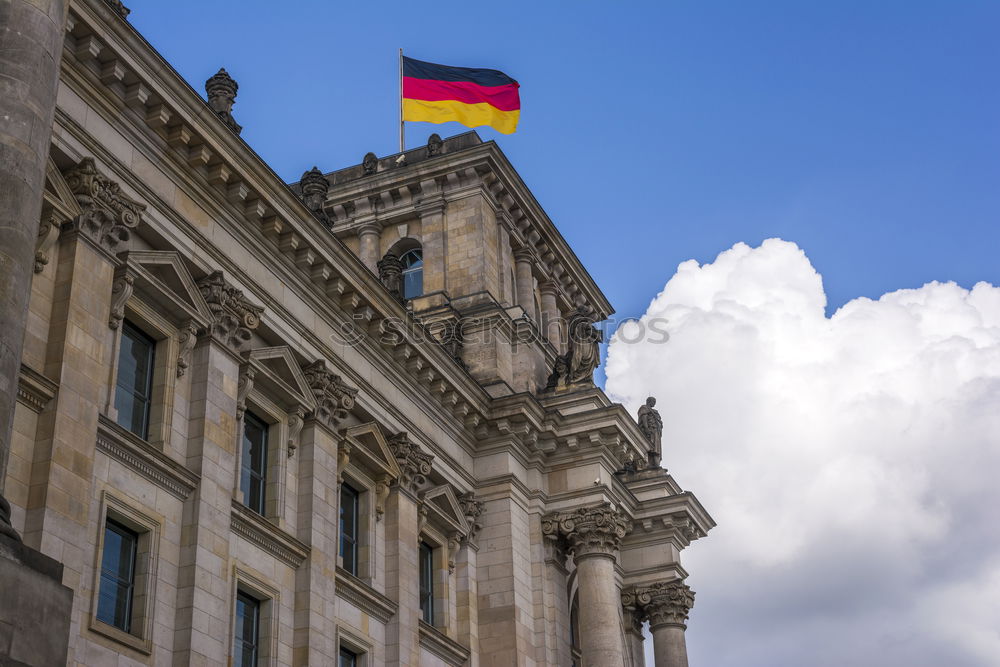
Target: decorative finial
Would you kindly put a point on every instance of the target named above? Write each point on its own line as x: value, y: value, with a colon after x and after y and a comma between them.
x: 119, y: 8
x: 314, y: 188
x: 370, y: 164
x: 221, y: 90
x: 434, y: 145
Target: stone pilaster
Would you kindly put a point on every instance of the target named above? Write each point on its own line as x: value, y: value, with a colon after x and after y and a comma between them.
x: 203, y: 612
x: 667, y: 606
x: 551, y: 320
x: 31, y: 36
x: 318, y: 526
x: 524, y: 282
x: 594, y: 535
x: 368, y: 245
x: 432, y: 235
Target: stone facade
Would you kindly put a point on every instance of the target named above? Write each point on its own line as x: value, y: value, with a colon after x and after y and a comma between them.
x: 502, y: 519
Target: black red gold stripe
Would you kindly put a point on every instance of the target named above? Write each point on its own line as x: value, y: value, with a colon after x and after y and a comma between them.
x: 439, y: 93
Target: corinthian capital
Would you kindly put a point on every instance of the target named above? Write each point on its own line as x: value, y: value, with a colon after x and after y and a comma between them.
x: 334, y: 398
x: 664, y: 603
x: 588, y: 530
x: 414, y: 463
x: 233, y: 316
x: 109, y: 214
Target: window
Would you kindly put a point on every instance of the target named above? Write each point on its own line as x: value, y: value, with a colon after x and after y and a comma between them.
x: 348, y: 658
x: 427, y: 582
x: 117, y: 588
x: 413, y: 273
x: 247, y: 640
x: 134, y: 385
x: 349, y: 528
x: 253, y: 473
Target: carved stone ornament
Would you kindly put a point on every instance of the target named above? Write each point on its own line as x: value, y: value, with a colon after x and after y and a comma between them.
x: 588, y: 530
x: 296, y: 419
x: 221, y: 90
x: 390, y: 272
x: 370, y: 164
x: 243, y: 388
x: 48, y: 233
x: 434, y: 145
x: 314, y: 187
x: 344, y: 450
x: 453, y: 340
x: 119, y: 8
x: 121, y: 292
x: 422, y: 512
x: 576, y: 367
x: 662, y: 603
x: 472, y: 509
x: 414, y: 463
x: 453, y: 546
x: 381, y: 494
x: 651, y: 425
x: 334, y: 399
x: 187, y: 339
x: 233, y: 317
x: 108, y: 214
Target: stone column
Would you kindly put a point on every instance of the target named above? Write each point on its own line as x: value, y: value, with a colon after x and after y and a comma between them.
x: 402, y: 536
x: 551, y: 321
x: 318, y: 526
x: 633, y: 618
x: 524, y: 282
x: 666, y: 605
x: 368, y: 242
x: 31, y: 37
x: 594, y: 534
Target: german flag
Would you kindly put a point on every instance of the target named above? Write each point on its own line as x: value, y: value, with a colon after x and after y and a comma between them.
x: 473, y: 97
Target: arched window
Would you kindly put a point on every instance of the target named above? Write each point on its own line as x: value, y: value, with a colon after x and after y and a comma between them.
x: 413, y: 273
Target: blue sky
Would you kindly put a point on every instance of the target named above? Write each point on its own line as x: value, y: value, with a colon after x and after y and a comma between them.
x: 656, y: 132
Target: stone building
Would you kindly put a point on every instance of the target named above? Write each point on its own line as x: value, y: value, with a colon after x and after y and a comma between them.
x: 349, y: 420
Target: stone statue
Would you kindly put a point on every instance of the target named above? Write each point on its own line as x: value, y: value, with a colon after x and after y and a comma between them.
x: 651, y: 426
x: 434, y: 145
x: 314, y: 187
x: 576, y: 367
x: 221, y: 90
x: 370, y: 164
x: 390, y: 272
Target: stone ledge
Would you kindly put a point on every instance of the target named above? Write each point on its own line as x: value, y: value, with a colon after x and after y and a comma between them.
x: 263, y: 534
x: 364, y: 597
x: 442, y: 645
x: 34, y: 389
x: 143, y: 458
x: 22, y: 554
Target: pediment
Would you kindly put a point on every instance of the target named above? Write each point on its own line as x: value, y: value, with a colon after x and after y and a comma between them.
x: 162, y: 277
x: 444, y: 510
x: 57, y: 193
x: 280, y: 375
x: 370, y: 450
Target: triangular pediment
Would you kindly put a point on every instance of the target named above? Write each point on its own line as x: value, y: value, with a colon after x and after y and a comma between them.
x: 282, y: 375
x: 57, y: 193
x: 444, y: 509
x: 163, y: 277
x: 371, y: 451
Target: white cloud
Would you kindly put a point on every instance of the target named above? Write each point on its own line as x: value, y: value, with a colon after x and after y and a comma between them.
x: 850, y: 462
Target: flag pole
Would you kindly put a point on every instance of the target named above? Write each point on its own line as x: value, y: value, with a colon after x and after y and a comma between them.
x: 402, y: 145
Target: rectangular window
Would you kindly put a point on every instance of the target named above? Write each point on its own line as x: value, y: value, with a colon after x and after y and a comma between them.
x: 349, y: 528
x: 253, y: 476
x: 247, y: 640
x: 134, y: 385
x: 117, y: 588
x: 427, y: 582
x: 348, y: 658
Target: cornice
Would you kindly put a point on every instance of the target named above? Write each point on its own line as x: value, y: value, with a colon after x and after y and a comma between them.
x: 262, y: 533
x: 364, y: 597
x: 146, y: 460
x: 442, y: 645
x: 35, y: 390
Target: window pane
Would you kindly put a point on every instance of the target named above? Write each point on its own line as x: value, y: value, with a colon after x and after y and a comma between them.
x: 245, y: 646
x: 427, y: 582
x: 114, y: 600
x: 348, y: 658
x: 349, y: 528
x: 413, y: 273
x: 135, y: 380
x: 253, y: 472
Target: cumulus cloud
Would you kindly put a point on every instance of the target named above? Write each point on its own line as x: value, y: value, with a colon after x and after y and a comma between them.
x: 850, y: 461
